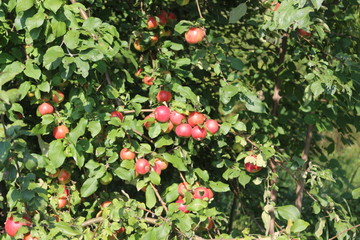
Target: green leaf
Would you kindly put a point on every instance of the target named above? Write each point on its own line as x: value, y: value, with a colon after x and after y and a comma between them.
x: 94, y: 128
x: 164, y: 141
x: 5, y: 147
x: 23, y: 5
x: 111, y: 92
x: 53, y: 5
x: 236, y: 63
x: 154, y: 130
x: 68, y: 229
x: 203, y: 174
x: 197, y: 205
x: 288, y: 212
x: 219, y: 186
x: 319, y: 227
x: 78, y: 131
x: 182, y: 62
x: 44, y: 87
x: 91, y: 23
x: 32, y: 70
x: 52, y: 57
x: 139, y: 99
x: 56, y: 153
x: 185, y: 223
x: 175, y: 161
x: 185, y: 92
x: 171, y: 193
x: 227, y: 92
x: 10, y: 71
x: 299, y: 225
x: 244, y: 178
x: 71, y: 39
x: 123, y: 173
x: 237, y: 13
x: 89, y: 187
x: 317, y: 3
x: 154, y: 178
x: 183, y: 26
x: 356, y: 193
x: 150, y: 197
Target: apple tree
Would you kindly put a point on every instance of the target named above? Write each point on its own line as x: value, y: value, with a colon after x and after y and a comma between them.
x: 146, y: 119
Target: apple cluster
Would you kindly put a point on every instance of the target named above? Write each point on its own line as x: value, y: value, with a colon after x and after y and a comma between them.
x: 198, y: 192
x: 60, y: 131
x: 195, y: 125
x: 12, y: 227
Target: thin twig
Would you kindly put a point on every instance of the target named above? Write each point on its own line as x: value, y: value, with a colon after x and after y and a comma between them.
x: 159, y: 197
x: 182, y: 177
x: 101, y: 219
x: 142, y: 110
x: 199, y: 10
x: 346, y: 230
x: 147, y: 210
x: 143, y: 136
x: 4, y: 126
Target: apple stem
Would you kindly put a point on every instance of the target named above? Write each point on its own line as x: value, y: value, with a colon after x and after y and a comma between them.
x: 159, y: 197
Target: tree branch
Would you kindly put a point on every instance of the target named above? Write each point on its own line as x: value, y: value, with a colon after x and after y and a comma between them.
x: 346, y: 230
x: 199, y: 10
x: 273, y: 196
x: 101, y: 219
x: 159, y: 197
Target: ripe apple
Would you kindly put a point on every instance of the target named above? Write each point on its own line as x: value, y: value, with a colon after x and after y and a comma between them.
x: 45, y: 108
x: 164, y: 96
x: 162, y: 113
x: 196, y: 118
x: 194, y: 35
x: 117, y: 114
x: 55, y: 174
x: 202, y: 193
x: 142, y: 166
x: 11, y: 227
x: 66, y: 192
x: 171, y: 17
x: 154, y: 39
x: 106, y: 179
x: 29, y: 237
x: 161, y: 163
x: 152, y: 23
x: 182, y: 206
x: 176, y: 118
x: 198, y: 133
x: 170, y: 127
x: 210, y: 193
x: 163, y: 18
x: 64, y: 176
x: 212, y: 126
x: 156, y: 168
x: 58, y: 96
x: 60, y: 132
x: 183, y: 130
x: 138, y: 46
x: 182, y: 2
x: 304, y: 33
x: 147, y: 124
x: 182, y: 188
x: 252, y: 168
x: 62, y: 202
x: 148, y: 80
x: 126, y: 154
x: 105, y: 204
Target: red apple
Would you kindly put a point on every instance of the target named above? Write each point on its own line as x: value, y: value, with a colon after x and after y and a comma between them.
x: 154, y: 39
x: 161, y: 163
x: 58, y: 96
x: 156, y: 168
x: 60, y: 132
x: 64, y: 176
x: 142, y: 166
x: 62, y: 202
x: 148, y: 80
x: 117, y: 114
x: 304, y: 33
x: 11, y: 227
x: 210, y: 224
x: 152, y: 23
x: 202, y: 193
x: 170, y: 127
x: 176, y: 118
x: 212, y: 126
x: 29, y: 237
x: 252, y: 168
x: 45, y: 108
x: 171, y: 17
x: 164, y: 96
x: 182, y: 206
x: 55, y: 174
x: 138, y: 72
x: 147, y: 124
x: 210, y: 193
x: 163, y: 17
x: 182, y: 188
x: 162, y: 114
x: 194, y: 35
x: 183, y: 130
x: 126, y: 154
x: 196, y: 118
x: 66, y: 192
x: 198, y: 133
x: 105, y: 204
x: 120, y: 230
x: 138, y: 46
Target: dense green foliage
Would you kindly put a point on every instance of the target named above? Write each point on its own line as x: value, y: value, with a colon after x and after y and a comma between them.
x: 283, y: 81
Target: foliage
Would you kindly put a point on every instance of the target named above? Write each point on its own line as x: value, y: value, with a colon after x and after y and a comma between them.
x: 276, y: 77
